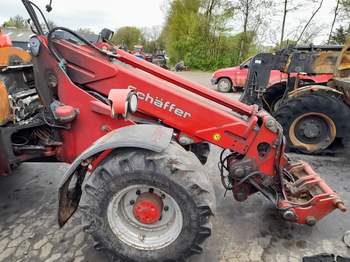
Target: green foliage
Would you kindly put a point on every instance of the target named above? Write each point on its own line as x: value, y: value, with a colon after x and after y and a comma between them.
x: 286, y: 43
x: 17, y: 21
x: 151, y: 46
x: 128, y: 36
x: 85, y: 31
x: 345, y: 7
x: 245, y: 46
x: 340, y: 35
x: 153, y: 39
x: 197, y: 32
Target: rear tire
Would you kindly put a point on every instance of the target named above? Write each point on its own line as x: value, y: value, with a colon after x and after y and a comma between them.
x: 225, y: 85
x: 312, y: 122
x: 272, y: 97
x: 183, y: 181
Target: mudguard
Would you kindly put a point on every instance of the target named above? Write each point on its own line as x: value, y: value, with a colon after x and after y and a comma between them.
x: 313, y: 88
x: 151, y: 137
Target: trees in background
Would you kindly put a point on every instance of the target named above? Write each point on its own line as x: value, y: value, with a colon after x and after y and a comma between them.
x: 20, y: 23
x: 345, y: 8
x: 183, y: 31
x: 253, y: 14
x: 300, y: 31
x: 335, y: 16
x: 85, y: 30
x: 153, y: 38
x: 308, y: 30
x: 17, y: 21
x: 209, y: 34
x: 285, y: 10
x: 128, y: 36
x: 288, y: 6
x: 310, y: 19
x: 198, y: 32
x: 340, y: 35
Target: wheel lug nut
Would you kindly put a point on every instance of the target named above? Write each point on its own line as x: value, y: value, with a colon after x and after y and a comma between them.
x: 138, y: 192
x: 132, y: 202
x: 163, y: 196
x: 166, y: 208
x: 151, y: 190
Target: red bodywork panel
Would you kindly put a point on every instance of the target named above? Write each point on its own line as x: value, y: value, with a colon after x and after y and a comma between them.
x: 89, y: 125
x: 172, y: 105
x: 5, y: 40
x: 189, y: 108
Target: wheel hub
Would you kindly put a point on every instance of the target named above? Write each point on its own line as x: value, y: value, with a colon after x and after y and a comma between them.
x: 148, y: 208
x: 224, y: 85
x: 310, y: 129
x: 145, y: 217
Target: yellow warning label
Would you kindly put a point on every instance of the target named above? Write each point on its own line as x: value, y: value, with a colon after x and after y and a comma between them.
x: 217, y: 137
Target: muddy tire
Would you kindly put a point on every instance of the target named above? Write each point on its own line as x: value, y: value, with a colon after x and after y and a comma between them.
x: 272, y: 97
x: 313, y: 122
x: 225, y: 85
x: 174, y: 177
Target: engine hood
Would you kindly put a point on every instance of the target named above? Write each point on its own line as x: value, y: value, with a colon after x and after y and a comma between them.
x: 228, y: 70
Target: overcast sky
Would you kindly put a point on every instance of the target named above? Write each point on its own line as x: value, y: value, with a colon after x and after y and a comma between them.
x: 296, y: 20
x: 113, y: 14
x: 95, y: 14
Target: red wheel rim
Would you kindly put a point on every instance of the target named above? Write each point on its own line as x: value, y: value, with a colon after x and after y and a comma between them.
x: 148, y: 208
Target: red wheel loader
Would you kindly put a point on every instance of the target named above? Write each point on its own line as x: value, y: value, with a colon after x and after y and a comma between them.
x: 137, y: 137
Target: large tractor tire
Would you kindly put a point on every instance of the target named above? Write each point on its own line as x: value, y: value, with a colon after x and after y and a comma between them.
x: 145, y: 206
x: 313, y: 122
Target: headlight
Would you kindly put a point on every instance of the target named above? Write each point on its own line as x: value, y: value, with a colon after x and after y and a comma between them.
x: 133, y: 103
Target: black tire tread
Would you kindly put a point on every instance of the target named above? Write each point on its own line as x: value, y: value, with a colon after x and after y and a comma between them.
x: 322, y: 102
x: 271, y: 94
x: 184, y: 169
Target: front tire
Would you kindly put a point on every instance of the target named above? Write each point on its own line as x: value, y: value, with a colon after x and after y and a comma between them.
x: 225, y: 85
x: 177, y: 183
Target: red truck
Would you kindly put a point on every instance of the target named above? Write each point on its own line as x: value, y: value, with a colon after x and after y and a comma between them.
x: 234, y: 78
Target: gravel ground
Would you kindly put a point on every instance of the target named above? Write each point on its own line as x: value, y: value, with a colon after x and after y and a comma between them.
x: 249, y: 231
